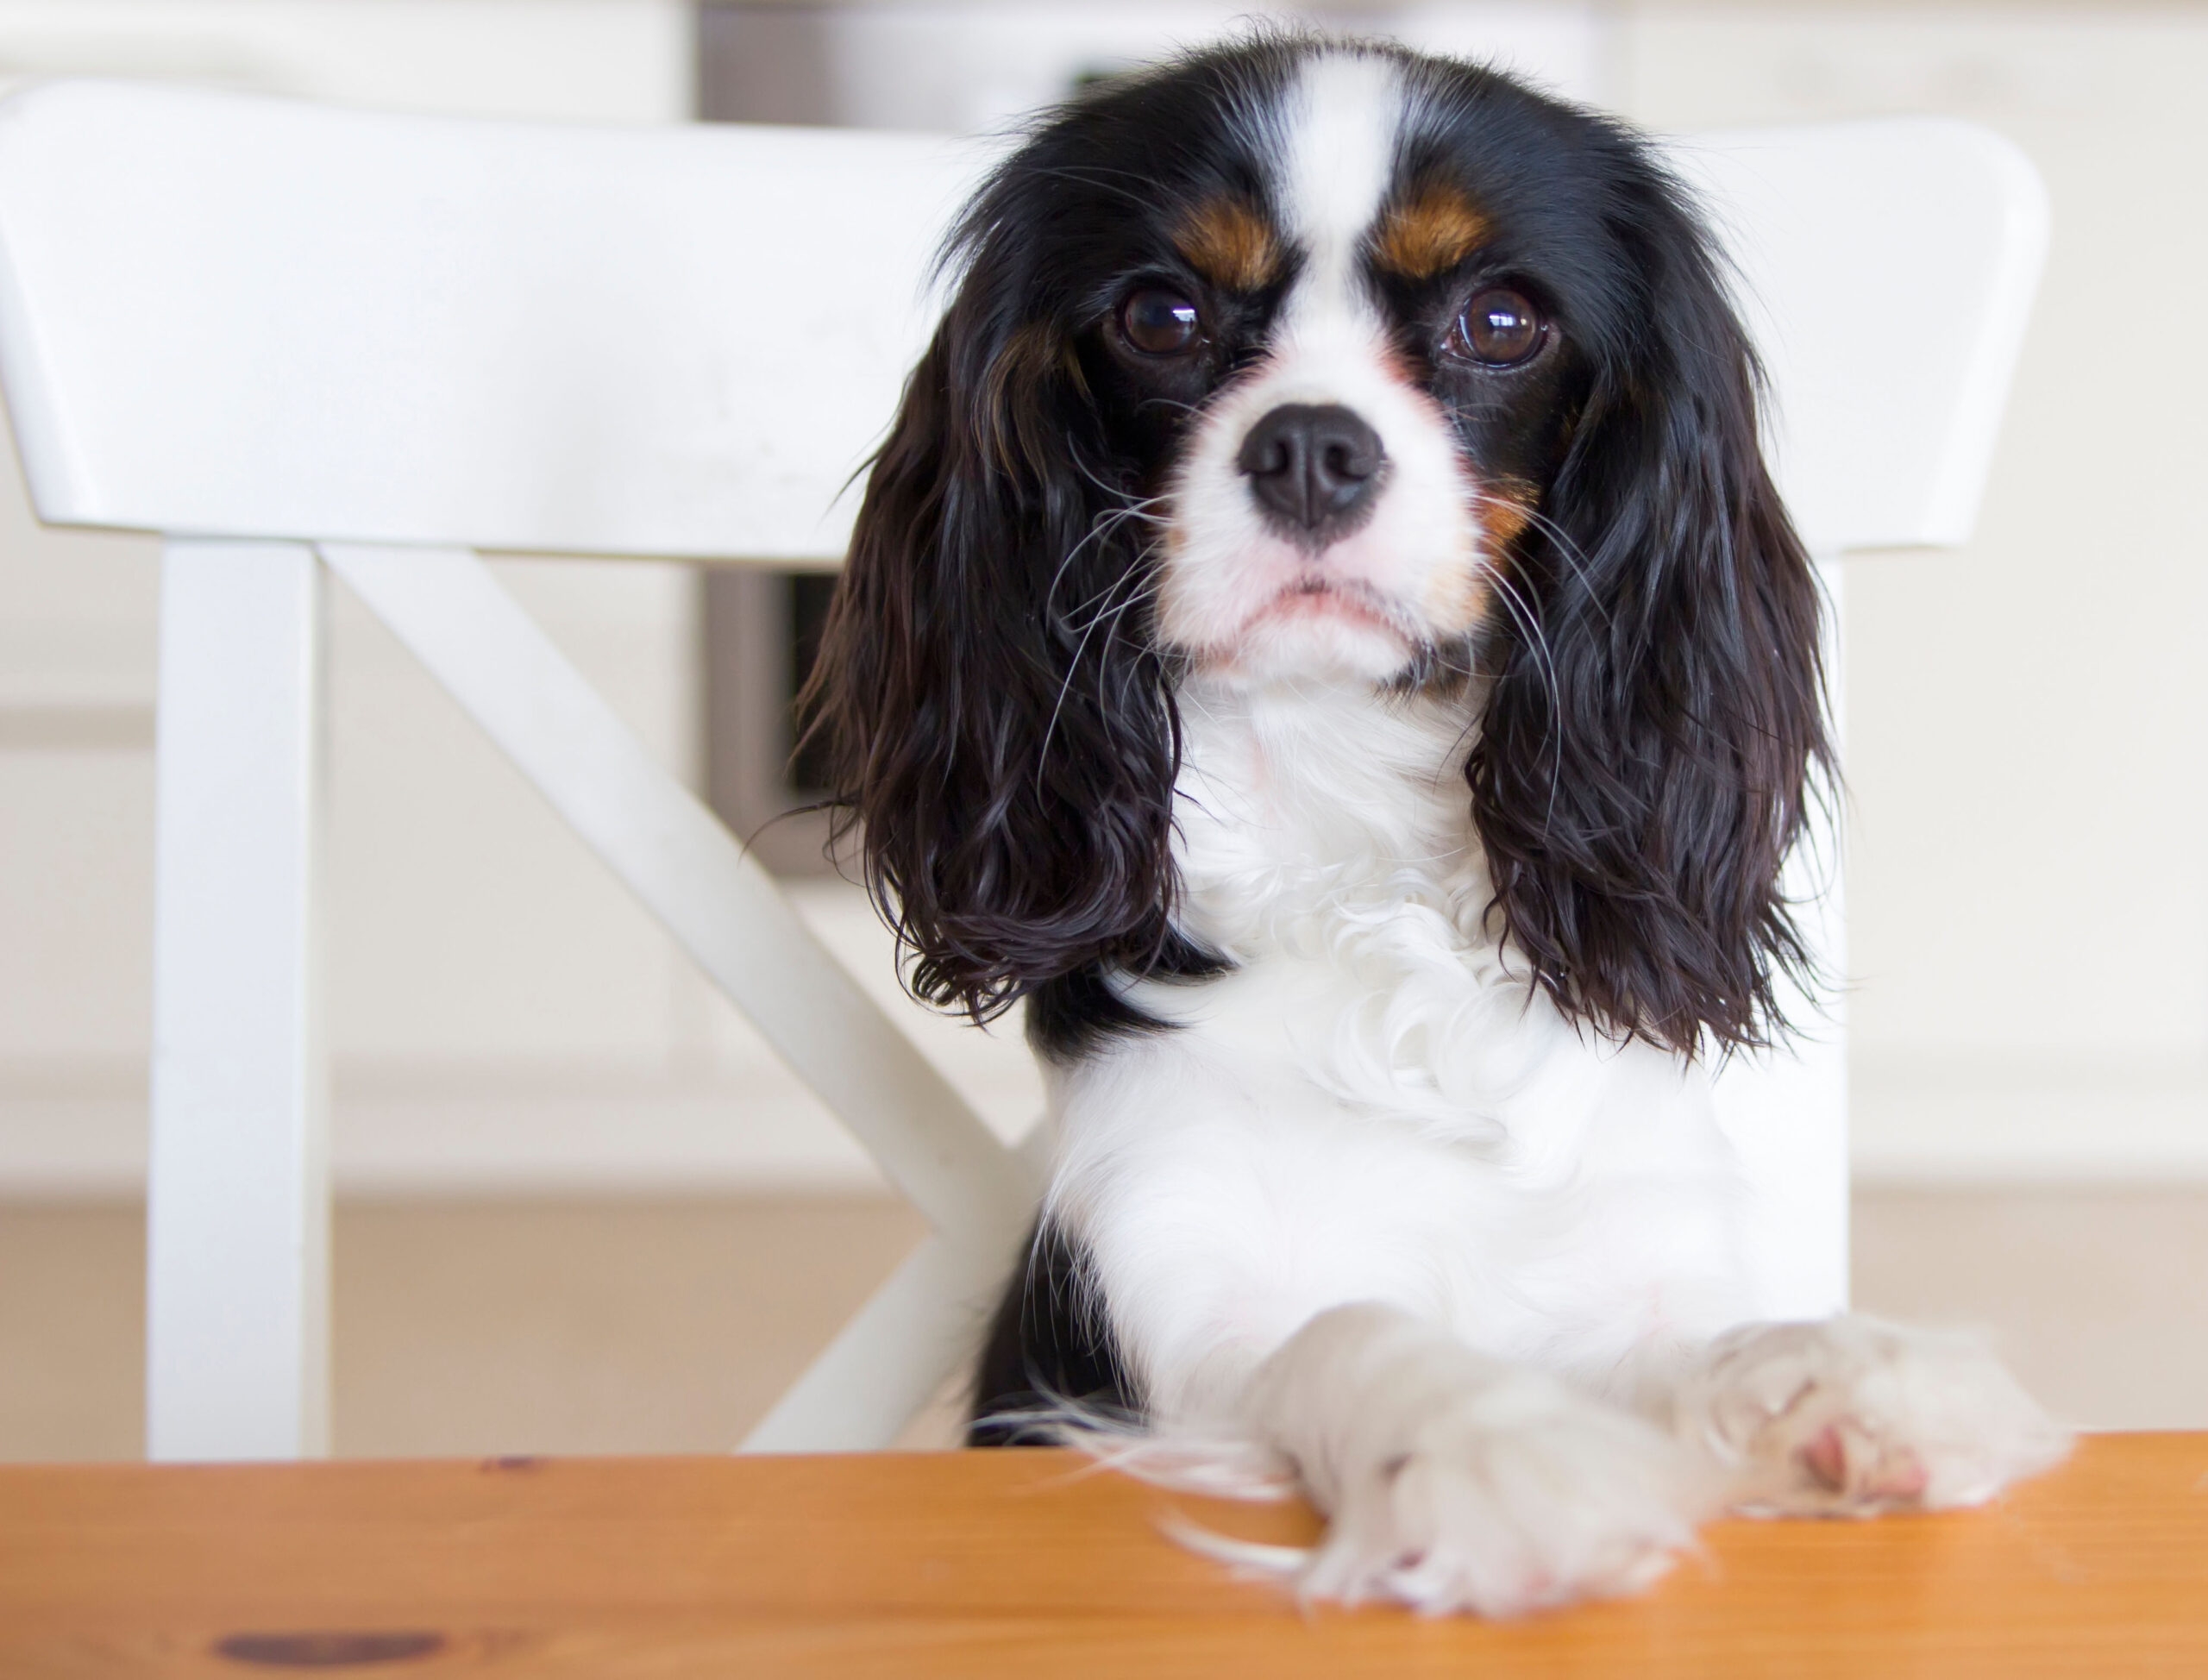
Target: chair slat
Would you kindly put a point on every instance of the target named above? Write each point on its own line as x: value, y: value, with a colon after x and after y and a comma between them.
x: 720, y: 904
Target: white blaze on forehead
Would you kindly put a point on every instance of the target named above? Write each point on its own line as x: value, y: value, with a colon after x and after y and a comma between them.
x: 1342, y: 117
x: 1254, y: 604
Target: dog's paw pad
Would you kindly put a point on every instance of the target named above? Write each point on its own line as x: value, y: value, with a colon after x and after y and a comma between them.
x: 1852, y: 1417
x: 1847, y: 1459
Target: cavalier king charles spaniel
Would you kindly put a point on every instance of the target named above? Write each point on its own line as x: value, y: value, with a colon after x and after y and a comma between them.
x: 1321, y: 635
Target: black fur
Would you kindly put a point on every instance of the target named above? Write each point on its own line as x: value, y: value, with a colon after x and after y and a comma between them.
x: 1048, y: 1343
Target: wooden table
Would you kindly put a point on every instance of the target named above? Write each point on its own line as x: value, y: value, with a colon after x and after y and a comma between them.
x: 1017, y: 1563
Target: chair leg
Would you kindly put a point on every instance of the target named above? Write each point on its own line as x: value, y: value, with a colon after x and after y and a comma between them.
x: 237, y: 1361
x: 891, y: 1358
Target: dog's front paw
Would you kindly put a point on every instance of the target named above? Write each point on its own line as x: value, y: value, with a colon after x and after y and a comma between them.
x: 1454, y: 1483
x: 1849, y: 1417
x: 1515, y: 1497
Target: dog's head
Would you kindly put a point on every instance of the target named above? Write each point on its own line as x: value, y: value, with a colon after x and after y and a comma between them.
x: 1303, y: 362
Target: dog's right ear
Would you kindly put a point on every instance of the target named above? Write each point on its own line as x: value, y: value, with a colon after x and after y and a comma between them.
x: 998, y: 730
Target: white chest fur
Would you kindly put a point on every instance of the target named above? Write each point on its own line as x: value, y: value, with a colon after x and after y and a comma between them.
x: 1374, y: 1104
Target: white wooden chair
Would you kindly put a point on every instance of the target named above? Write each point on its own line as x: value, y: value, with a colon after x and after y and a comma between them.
x: 296, y: 340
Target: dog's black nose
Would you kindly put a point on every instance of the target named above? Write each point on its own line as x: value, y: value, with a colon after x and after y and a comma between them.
x: 1313, y: 468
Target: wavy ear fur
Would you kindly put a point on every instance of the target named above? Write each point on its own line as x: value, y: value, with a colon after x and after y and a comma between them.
x: 999, y: 733
x: 1640, y: 780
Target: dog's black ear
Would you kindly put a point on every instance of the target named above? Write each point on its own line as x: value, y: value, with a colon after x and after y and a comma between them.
x: 998, y: 731
x: 1645, y: 764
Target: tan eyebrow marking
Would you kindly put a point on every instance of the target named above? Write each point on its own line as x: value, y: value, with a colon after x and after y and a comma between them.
x: 1230, y: 245
x: 1429, y: 232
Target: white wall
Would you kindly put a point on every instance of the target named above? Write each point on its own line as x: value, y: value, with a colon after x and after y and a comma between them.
x: 604, y: 60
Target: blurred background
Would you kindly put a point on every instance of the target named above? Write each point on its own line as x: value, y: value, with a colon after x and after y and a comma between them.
x: 580, y: 1207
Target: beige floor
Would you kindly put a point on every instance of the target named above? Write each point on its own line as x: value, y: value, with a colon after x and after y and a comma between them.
x: 624, y: 1326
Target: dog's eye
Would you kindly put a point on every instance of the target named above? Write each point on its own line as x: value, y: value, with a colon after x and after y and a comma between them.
x: 1160, y: 323
x: 1499, y: 327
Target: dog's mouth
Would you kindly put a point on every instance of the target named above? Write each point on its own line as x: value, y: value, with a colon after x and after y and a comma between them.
x: 1316, y: 598
x: 1315, y: 623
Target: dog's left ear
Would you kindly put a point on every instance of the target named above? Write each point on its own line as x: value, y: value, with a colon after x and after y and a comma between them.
x: 1640, y: 778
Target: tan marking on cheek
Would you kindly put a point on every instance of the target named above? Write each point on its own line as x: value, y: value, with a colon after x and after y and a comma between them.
x: 1229, y: 244
x: 1456, y: 595
x: 1506, y: 508
x: 1429, y: 233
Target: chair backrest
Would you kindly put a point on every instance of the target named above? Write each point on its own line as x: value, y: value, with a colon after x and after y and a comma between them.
x: 238, y: 315
x: 229, y: 315
x: 1887, y: 269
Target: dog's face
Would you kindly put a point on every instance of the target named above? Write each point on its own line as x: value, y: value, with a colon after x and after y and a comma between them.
x: 1308, y: 363
x: 1334, y: 342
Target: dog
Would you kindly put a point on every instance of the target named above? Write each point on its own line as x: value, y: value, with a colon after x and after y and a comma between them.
x: 1321, y: 635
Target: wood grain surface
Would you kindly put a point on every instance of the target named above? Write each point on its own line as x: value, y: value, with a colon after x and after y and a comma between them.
x: 1026, y: 1563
